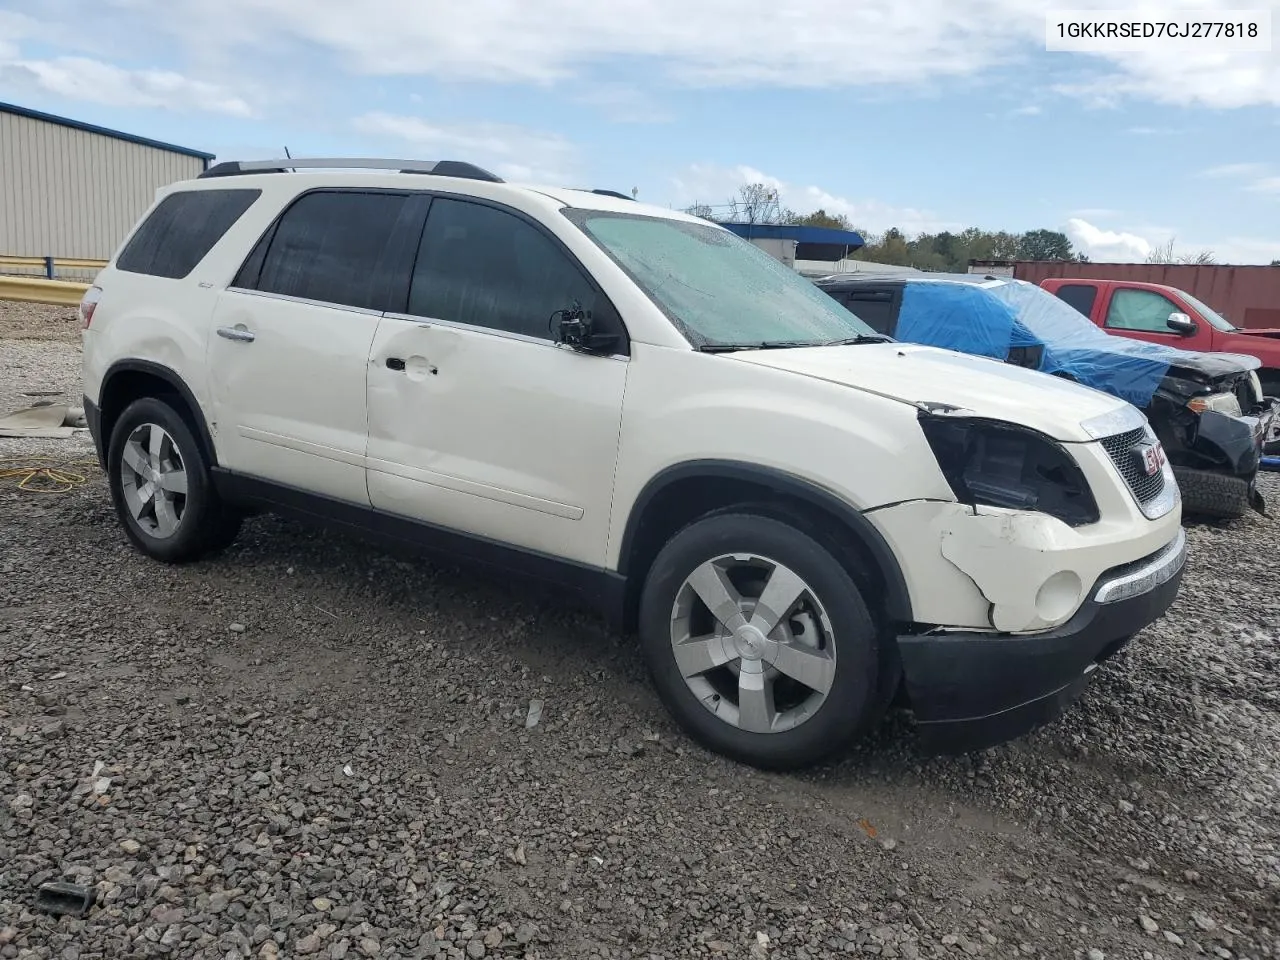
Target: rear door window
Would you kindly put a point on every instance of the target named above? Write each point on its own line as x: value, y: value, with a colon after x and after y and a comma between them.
x: 326, y: 247
x: 182, y: 228
x: 1082, y: 296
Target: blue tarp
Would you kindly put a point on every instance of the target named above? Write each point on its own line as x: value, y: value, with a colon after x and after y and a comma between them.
x: 989, y: 318
x: 957, y: 316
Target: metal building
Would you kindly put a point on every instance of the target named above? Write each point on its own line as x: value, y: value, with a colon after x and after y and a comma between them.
x: 71, y: 189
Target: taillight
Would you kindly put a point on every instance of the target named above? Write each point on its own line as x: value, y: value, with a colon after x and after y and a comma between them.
x: 87, y: 305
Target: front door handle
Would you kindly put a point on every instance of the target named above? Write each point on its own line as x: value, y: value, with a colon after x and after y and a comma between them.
x: 395, y: 363
x: 238, y: 333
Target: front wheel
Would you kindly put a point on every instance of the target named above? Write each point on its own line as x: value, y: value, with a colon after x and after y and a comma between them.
x: 1212, y: 495
x: 759, y: 641
x: 161, y: 487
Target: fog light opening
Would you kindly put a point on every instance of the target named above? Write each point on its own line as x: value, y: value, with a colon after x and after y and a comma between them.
x: 1058, y: 596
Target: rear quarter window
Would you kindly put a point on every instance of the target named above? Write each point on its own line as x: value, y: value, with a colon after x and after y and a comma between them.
x: 1079, y: 295
x: 182, y: 228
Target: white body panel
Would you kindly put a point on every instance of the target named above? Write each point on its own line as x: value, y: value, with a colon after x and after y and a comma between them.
x: 495, y: 435
x: 289, y: 406
x: 535, y: 446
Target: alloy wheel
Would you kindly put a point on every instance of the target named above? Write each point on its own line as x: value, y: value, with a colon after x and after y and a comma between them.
x: 753, y: 643
x: 153, y: 479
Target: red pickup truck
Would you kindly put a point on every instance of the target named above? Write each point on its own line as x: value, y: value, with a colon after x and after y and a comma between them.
x: 1160, y: 314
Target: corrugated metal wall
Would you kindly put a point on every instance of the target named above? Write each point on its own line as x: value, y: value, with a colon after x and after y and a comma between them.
x: 1248, y: 296
x: 72, y: 193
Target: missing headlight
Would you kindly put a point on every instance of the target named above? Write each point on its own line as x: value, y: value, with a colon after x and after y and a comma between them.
x: 999, y: 464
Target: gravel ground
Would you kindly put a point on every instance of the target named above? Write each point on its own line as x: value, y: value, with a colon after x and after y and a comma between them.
x: 310, y: 748
x: 40, y: 363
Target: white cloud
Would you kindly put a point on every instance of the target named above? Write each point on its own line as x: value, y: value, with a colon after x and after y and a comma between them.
x: 1258, y: 177
x: 867, y: 46
x: 514, y: 153
x: 716, y: 186
x: 14, y: 27
x: 1030, y: 110
x: 1106, y: 245
x: 1234, y: 170
x: 1182, y: 78
x: 701, y: 42
x: 1135, y: 245
x: 80, y: 78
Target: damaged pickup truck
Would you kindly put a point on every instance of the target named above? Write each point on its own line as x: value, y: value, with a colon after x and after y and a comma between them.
x: 1208, y: 409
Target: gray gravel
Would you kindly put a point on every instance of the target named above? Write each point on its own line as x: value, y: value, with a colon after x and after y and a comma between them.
x: 310, y: 748
x: 40, y: 363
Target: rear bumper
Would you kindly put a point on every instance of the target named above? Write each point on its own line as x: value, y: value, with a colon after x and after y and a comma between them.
x: 970, y: 691
x: 93, y: 420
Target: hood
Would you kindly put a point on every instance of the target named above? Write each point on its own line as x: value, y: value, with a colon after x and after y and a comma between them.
x: 1213, y: 366
x: 923, y: 375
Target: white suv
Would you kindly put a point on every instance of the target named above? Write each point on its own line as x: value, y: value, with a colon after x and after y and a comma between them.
x: 802, y: 520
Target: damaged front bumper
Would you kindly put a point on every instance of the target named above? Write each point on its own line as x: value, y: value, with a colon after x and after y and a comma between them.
x: 972, y: 690
x: 1235, y: 443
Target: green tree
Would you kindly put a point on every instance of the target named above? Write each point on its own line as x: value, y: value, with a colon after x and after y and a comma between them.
x: 819, y: 218
x: 1045, y: 245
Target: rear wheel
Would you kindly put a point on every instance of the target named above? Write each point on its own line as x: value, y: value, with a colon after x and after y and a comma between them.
x: 759, y: 641
x: 1214, y: 495
x: 161, y: 487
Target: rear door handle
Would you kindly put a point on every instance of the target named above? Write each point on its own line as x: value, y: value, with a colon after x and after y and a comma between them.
x: 395, y: 363
x: 236, y: 333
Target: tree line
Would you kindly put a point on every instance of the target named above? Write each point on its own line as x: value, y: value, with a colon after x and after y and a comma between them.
x: 944, y: 251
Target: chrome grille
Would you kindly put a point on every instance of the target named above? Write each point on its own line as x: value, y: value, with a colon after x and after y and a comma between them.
x: 1120, y: 448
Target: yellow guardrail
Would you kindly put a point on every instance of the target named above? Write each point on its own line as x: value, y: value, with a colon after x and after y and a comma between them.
x: 65, y: 293
x: 50, y: 265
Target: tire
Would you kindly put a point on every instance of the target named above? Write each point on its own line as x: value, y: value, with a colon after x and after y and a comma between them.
x: 175, y: 521
x: 1213, y: 495
x: 828, y: 635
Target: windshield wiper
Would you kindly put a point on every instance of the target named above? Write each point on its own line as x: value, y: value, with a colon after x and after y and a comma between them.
x: 757, y: 345
x: 860, y: 338
x: 785, y: 344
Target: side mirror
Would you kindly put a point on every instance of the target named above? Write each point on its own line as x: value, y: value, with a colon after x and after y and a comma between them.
x: 1181, y: 324
x: 574, y: 328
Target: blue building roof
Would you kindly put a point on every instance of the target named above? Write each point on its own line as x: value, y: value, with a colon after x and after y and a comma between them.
x: 825, y: 236
x: 117, y: 134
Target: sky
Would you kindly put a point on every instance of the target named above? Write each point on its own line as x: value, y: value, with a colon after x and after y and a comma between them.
x: 917, y: 114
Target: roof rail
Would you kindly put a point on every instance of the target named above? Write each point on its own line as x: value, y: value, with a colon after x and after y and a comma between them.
x: 440, y: 168
x: 613, y: 193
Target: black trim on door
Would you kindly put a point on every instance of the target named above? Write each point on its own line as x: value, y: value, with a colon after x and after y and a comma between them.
x: 610, y: 309
x: 602, y: 590
x: 249, y: 273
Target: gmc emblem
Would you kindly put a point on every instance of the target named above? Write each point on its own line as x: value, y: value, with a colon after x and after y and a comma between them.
x: 1151, y: 456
